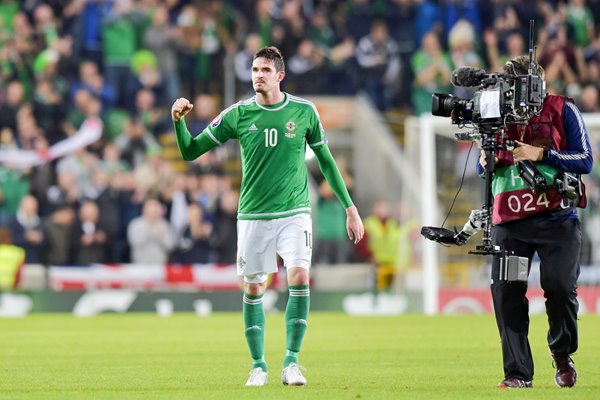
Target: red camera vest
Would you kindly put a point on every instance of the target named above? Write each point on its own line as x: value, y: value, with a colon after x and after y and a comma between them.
x: 513, y: 199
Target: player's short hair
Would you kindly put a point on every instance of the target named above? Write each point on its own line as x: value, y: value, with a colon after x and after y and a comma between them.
x: 271, y: 53
x: 520, y: 66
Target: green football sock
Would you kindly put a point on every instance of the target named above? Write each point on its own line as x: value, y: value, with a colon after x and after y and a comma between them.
x: 296, y: 314
x: 254, y: 324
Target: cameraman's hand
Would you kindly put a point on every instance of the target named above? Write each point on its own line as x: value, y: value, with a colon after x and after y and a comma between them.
x: 523, y: 152
x: 483, y: 159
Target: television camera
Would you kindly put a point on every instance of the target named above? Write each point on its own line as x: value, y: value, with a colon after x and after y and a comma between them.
x: 500, y: 99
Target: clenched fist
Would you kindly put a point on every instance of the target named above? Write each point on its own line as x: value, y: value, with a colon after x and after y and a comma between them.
x: 180, y: 108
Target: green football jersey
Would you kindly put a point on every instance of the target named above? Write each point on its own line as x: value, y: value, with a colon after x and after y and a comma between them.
x: 273, y: 144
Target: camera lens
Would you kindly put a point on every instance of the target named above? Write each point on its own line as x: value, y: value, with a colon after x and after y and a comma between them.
x: 442, y: 104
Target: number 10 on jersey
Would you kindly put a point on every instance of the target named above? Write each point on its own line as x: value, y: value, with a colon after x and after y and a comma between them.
x: 270, y: 137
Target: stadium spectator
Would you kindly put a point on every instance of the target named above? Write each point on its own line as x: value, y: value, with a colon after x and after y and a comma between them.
x: 154, y: 176
x: 92, y: 81
x: 187, y: 24
x: 82, y: 101
x: 146, y: 75
x: 381, y: 244
x: 80, y: 164
x: 149, y: 236
x: 45, y: 26
x: 462, y: 43
x: 27, y: 129
x: 24, y: 48
x: 105, y: 194
x: 400, y: 17
x: 589, y: 100
x: 7, y: 12
x: 89, y: 46
x: 320, y: 31
x: 26, y: 230
x: 41, y: 178
x: 514, y: 44
x: 409, y: 249
x: 163, y: 39
x: 58, y: 227
x: 231, y: 25
x: 377, y: 56
x: 8, y: 141
x: 175, y: 198
x: 49, y: 110
x: 225, y: 235
x: 428, y: 18
x: 111, y: 160
x: 306, y: 69
x: 131, y: 201
x: 261, y: 21
x: 581, y: 22
x: 243, y: 63
x: 119, y: 44
x: 12, y: 258
x: 208, y: 63
x: 359, y: 18
x: 152, y: 115
x: 293, y: 27
x: 331, y: 246
x: 551, y: 229
x: 272, y: 219
x: 432, y: 68
x: 14, y: 185
x: 562, y: 61
x: 194, y: 245
x: 456, y: 11
x: 64, y: 191
x: 13, y: 101
x: 89, y: 239
x: 208, y: 194
x: 135, y: 142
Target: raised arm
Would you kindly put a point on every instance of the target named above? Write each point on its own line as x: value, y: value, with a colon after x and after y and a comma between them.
x: 189, y: 147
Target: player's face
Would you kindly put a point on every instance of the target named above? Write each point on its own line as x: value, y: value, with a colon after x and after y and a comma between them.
x: 265, y: 78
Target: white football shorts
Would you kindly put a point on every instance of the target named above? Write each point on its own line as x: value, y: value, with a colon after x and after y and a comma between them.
x: 259, y: 242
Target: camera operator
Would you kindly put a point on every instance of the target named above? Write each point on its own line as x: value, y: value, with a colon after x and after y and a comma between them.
x: 526, y: 221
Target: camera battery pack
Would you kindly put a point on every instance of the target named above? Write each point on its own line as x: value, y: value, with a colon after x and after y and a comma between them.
x: 514, y: 269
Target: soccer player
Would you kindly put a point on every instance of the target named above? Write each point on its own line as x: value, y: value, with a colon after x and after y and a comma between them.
x: 273, y: 128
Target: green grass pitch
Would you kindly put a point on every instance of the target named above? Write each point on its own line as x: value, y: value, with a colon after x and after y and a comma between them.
x: 144, y: 356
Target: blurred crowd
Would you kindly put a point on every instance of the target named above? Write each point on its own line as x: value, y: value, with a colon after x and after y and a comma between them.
x: 127, y: 197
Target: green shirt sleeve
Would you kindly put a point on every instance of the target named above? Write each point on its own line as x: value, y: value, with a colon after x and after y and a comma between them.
x: 189, y: 147
x: 332, y: 174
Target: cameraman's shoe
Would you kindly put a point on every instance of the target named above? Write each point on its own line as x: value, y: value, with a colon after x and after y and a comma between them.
x: 515, y: 383
x: 566, y: 375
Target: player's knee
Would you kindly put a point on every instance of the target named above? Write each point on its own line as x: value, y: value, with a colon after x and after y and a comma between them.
x: 298, y: 276
x: 255, y: 289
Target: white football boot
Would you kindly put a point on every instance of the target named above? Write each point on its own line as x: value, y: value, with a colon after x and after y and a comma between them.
x: 258, y: 377
x: 292, y: 376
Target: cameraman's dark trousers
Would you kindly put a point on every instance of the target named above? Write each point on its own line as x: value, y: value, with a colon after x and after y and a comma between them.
x: 557, y: 241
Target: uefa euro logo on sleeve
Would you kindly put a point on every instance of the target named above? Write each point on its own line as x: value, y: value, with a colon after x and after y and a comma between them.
x: 215, y: 122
